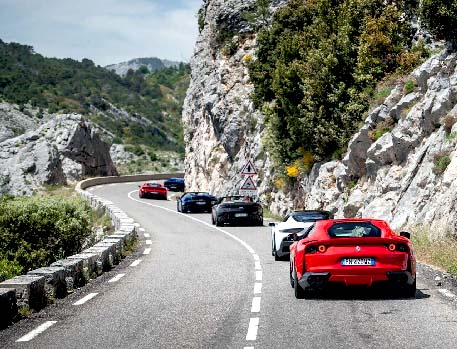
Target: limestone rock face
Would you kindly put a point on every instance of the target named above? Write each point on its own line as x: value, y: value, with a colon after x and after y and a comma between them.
x: 222, y: 129
x: 65, y: 148
x: 398, y: 177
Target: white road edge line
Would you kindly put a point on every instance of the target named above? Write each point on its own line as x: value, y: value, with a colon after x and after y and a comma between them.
x: 257, y: 288
x: 252, y: 329
x: 257, y: 265
x: 117, y: 278
x: 258, y: 275
x: 256, y: 257
x: 85, y: 299
x: 255, y: 308
x: 135, y: 263
x: 248, y: 348
x: 148, y: 242
x: 146, y: 235
x: 147, y: 251
x: 447, y: 293
x: 40, y: 329
x: 142, y: 230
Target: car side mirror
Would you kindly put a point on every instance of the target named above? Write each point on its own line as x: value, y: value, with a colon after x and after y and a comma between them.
x: 405, y: 234
x: 272, y: 224
x: 139, y: 186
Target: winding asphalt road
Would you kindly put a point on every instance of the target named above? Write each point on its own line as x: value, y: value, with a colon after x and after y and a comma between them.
x: 199, y: 286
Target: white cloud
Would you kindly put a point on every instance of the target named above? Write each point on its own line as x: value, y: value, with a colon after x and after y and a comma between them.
x: 106, y: 31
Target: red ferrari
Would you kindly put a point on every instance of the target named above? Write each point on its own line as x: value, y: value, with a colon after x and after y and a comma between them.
x: 153, y: 190
x: 352, y: 252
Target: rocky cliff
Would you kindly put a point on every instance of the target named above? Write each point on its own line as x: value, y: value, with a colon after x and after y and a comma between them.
x: 407, y: 176
x: 152, y: 63
x: 222, y: 127
x: 62, y: 149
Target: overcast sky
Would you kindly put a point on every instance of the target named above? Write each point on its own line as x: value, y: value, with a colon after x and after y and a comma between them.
x: 105, y: 31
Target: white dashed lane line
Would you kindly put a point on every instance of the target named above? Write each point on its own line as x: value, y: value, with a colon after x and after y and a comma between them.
x: 147, y: 251
x: 447, y: 293
x: 255, y: 308
x: 117, y: 278
x: 257, y: 288
x: 146, y: 235
x: 142, y: 230
x: 40, y: 329
x: 85, y: 299
x: 252, y: 329
x: 135, y: 263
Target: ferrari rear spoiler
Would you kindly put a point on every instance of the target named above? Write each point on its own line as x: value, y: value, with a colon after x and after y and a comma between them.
x: 362, y: 241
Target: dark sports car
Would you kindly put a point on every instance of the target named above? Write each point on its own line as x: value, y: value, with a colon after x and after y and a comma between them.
x: 237, y: 210
x: 196, y: 202
x: 153, y: 190
x: 174, y: 184
x: 352, y: 252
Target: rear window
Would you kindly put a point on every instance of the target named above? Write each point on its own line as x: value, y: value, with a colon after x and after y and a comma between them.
x: 354, y: 230
x: 311, y: 217
x: 155, y: 185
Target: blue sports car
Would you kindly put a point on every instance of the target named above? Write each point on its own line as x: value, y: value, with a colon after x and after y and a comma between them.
x: 196, y: 202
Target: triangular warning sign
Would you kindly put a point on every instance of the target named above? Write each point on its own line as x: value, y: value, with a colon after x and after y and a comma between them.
x: 249, y: 169
x: 248, y: 184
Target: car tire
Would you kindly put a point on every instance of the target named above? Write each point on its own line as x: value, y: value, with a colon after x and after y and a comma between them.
x: 218, y: 222
x: 260, y: 224
x: 299, y: 292
x: 291, y: 276
x: 277, y: 258
x: 409, y: 291
x: 213, y: 222
x: 178, y: 208
x: 140, y: 195
x: 273, y: 247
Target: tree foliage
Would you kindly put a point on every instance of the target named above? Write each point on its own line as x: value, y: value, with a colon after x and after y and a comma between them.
x: 440, y: 18
x: 317, y: 66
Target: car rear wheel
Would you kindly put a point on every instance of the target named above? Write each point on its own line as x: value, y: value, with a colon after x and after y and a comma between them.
x: 218, y: 222
x: 212, y: 220
x: 298, y: 290
x: 291, y: 276
x: 409, y: 291
x: 277, y: 258
x: 178, y: 208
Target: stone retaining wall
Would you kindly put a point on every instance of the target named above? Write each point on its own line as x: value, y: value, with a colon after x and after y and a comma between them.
x: 38, y: 287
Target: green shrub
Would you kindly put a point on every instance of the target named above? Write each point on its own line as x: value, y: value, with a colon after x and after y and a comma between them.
x: 36, y: 231
x: 441, y: 163
x: 9, y: 269
x: 440, y: 18
x: 409, y: 87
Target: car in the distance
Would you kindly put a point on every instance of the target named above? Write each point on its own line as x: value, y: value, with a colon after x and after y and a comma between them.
x: 153, y: 190
x: 352, y: 252
x: 195, y: 202
x: 294, y: 224
x: 174, y: 184
x: 237, y: 209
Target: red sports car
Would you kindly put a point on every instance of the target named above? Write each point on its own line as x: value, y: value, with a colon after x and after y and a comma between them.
x: 352, y: 252
x: 153, y: 190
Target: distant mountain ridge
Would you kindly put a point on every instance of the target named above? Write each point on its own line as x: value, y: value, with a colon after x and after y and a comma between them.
x: 152, y: 63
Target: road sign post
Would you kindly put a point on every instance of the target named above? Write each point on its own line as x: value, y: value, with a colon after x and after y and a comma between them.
x: 248, y: 188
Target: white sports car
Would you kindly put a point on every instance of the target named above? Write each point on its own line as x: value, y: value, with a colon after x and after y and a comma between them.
x: 293, y: 225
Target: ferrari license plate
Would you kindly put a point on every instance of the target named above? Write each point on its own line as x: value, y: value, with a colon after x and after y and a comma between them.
x: 241, y: 214
x: 357, y: 261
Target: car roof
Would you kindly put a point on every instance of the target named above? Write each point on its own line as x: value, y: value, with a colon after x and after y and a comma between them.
x: 197, y: 193
x: 322, y: 226
x: 176, y: 179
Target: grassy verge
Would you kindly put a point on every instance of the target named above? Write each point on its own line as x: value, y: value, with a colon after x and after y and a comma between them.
x: 441, y: 253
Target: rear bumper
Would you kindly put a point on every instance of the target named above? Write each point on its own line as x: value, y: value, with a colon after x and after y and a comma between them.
x: 197, y: 208
x: 154, y: 195
x: 230, y: 218
x: 321, y: 280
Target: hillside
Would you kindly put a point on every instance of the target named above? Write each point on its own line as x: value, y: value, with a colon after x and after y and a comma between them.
x: 134, y: 109
x: 151, y: 63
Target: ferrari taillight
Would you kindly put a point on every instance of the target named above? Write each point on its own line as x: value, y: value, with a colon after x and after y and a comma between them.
x: 398, y: 247
x: 315, y: 248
